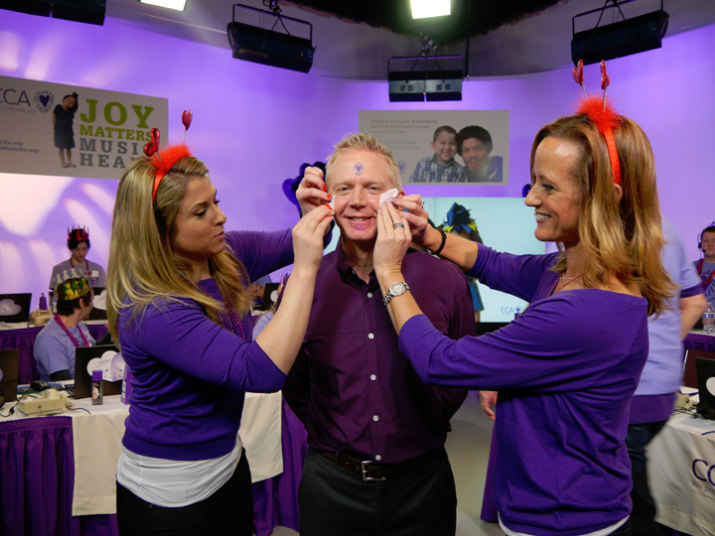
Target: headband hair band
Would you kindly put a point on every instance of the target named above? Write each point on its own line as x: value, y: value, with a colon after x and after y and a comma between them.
x: 164, y: 160
x: 602, y: 114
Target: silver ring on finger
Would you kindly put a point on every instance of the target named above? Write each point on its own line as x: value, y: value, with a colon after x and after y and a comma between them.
x: 397, y: 225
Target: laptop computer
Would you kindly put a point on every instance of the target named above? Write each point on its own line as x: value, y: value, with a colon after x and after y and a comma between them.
x: 9, y: 362
x: 15, y: 307
x: 83, y: 379
x: 705, y: 369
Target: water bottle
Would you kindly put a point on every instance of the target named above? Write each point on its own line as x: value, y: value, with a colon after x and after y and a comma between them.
x: 709, y: 320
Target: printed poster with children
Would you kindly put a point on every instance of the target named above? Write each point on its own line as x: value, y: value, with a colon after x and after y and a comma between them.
x: 74, y: 131
x: 468, y: 147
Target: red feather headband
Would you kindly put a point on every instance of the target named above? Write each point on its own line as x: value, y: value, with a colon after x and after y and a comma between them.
x: 164, y: 160
x: 602, y: 114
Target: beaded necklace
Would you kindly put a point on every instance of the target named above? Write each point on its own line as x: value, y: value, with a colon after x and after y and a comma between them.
x: 554, y: 289
x: 75, y: 342
x: 236, y: 326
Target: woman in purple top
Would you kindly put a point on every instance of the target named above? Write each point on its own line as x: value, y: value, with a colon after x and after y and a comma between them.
x: 567, y: 368
x: 180, y: 313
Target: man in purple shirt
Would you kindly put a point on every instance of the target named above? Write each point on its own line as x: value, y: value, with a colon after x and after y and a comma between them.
x: 376, y: 432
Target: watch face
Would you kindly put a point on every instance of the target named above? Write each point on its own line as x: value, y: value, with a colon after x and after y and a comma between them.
x: 398, y: 288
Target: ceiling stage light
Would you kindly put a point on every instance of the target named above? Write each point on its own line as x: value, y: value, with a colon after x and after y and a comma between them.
x: 424, y: 9
x: 278, y: 49
x: 420, y: 78
x: 89, y: 11
x: 622, y: 38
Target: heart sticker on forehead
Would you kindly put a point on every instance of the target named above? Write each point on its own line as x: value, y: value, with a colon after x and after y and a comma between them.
x: 358, y: 168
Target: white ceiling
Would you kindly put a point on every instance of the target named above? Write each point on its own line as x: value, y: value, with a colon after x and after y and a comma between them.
x: 346, y: 49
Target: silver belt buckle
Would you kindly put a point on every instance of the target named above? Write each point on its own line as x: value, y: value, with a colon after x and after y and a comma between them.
x: 364, y: 465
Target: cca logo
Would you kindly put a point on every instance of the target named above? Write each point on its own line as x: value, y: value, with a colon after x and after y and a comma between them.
x: 703, y: 471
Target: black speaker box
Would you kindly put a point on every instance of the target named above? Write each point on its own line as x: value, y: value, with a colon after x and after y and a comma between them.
x: 31, y: 7
x: 622, y: 38
x: 270, y: 48
x: 405, y: 86
x: 89, y: 11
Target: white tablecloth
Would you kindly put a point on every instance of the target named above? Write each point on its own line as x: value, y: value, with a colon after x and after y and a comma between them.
x: 682, y: 475
x: 97, y: 446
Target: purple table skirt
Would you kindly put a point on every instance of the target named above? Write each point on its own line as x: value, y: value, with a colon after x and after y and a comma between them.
x: 699, y: 341
x: 37, y: 468
x: 24, y: 339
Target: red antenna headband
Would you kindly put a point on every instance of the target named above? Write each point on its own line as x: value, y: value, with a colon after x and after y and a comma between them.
x: 602, y: 114
x: 164, y: 160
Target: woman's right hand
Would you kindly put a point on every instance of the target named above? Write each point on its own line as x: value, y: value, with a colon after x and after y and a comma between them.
x: 312, y: 192
x: 412, y: 207
x: 283, y: 335
x: 308, y: 236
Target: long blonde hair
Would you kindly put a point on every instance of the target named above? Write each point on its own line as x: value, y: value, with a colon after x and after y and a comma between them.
x: 621, y: 238
x: 142, y: 263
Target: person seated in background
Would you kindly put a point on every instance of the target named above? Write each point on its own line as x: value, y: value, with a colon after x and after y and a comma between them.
x: 441, y: 166
x: 474, y: 145
x: 78, y: 265
x: 55, y: 344
x: 706, y: 266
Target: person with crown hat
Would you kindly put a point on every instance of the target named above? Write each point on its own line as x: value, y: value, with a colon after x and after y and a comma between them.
x: 78, y: 265
x: 55, y: 344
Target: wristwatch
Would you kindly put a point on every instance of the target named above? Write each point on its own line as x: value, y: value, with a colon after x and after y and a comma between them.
x: 395, y: 289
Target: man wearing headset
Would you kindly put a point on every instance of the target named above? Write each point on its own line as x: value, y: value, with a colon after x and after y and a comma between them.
x: 706, y: 266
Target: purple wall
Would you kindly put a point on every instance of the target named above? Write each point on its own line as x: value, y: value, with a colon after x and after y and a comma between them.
x: 254, y: 125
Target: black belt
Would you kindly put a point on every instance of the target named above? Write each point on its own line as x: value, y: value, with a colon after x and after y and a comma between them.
x: 370, y: 471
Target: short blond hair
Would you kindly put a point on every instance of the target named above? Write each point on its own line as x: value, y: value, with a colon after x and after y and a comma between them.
x: 365, y: 142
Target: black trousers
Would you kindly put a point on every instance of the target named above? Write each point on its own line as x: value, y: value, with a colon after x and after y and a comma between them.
x: 643, y: 514
x: 420, y: 502
x: 228, y: 511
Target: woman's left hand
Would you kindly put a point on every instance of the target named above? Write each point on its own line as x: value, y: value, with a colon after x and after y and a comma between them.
x: 393, y: 240
x: 311, y: 192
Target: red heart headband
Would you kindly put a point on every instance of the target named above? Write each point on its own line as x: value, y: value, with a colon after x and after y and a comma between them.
x: 602, y: 114
x: 164, y: 160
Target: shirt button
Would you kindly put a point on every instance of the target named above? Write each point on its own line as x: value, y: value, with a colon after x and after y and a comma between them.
x: 375, y: 418
x: 369, y: 294
x: 378, y: 457
x: 373, y: 377
x: 370, y: 336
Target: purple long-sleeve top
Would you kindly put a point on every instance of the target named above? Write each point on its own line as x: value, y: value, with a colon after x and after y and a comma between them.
x: 566, y: 371
x: 351, y: 386
x: 189, y: 374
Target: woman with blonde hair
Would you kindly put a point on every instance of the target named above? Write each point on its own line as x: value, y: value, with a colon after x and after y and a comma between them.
x: 179, y: 311
x: 567, y: 368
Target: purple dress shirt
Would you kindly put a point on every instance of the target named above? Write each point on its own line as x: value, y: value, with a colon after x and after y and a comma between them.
x: 351, y: 386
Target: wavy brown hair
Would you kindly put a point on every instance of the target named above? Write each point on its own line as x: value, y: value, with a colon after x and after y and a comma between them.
x: 621, y: 238
x: 143, y: 265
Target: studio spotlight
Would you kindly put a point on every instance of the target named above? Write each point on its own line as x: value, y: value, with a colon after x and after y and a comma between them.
x: 424, y: 9
x: 266, y: 46
x: 622, y: 38
x: 177, y: 5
